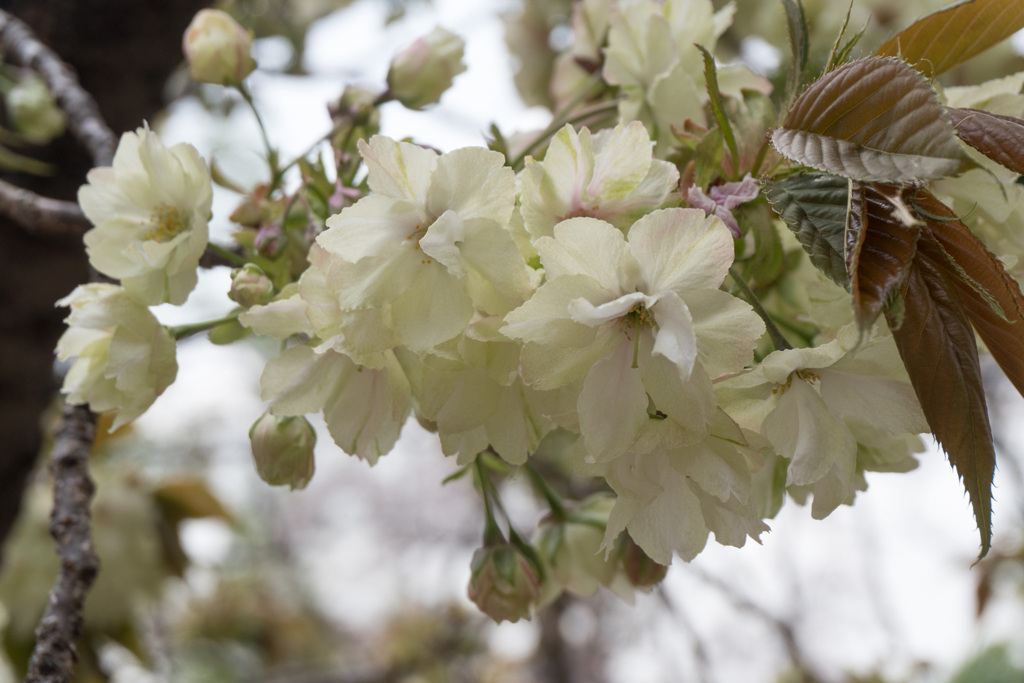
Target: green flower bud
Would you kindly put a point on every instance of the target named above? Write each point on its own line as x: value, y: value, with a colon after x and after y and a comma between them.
x: 503, y: 583
x: 421, y: 73
x: 33, y: 111
x: 282, y: 448
x: 250, y: 286
x: 217, y: 48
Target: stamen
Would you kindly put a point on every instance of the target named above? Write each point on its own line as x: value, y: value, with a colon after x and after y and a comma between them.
x: 168, y: 222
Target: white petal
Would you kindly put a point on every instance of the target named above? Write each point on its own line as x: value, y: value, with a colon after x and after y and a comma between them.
x: 675, y: 338
x: 727, y: 330
x: 612, y: 404
x: 681, y: 249
x: 586, y: 313
x: 398, y: 169
x: 591, y: 247
x: 475, y: 183
x: 803, y: 429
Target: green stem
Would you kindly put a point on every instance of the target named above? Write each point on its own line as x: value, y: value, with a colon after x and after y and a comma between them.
x: 492, y: 532
x: 561, y: 117
x: 182, y: 331
x: 554, y: 501
x: 271, y: 152
x: 226, y: 254
x: 773, y: 331
x: 345, y: 121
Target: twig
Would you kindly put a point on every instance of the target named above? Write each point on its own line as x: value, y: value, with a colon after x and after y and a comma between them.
x: 84, y: 119
x: 37, y: 214
x: 51, y: 217
x: 55, y: 654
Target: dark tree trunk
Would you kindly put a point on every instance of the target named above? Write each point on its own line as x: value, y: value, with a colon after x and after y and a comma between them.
x: 123, y: 51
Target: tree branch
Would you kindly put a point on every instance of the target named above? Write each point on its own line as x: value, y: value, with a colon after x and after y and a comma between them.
x: 84, y: 119
x: 40, y: 215
x: 55, y: 655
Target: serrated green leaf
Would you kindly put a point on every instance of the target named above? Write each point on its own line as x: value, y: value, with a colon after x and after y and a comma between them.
x: 717, y: 105
x: 873, y: 119
x: 938, y: 42
x: 936, y: 342
x: 796, y: 20
x: 835, y: 54
x: 814, y: 206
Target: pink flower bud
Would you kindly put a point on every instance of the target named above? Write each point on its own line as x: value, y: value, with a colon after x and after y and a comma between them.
x: 217, y: 49
x: 250, y: 286
x: 503, y: 584
x: 641, y: 570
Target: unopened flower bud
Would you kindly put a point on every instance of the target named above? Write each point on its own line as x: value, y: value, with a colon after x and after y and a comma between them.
x: 33, y: 112
x: 571, y: 549
x: 503, y: 583
x: 641, y: 570
x: 217, y: 48
x: 424, y: 70
x: 250, y: 286
x: 282, y: 448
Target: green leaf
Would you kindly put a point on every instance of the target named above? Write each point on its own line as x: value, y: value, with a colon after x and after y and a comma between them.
x: 707, y: 158
x: 873, y: 119
x: 796, y: 20
x: 880, y: 245
x: 938, y: 42
x: 717, y: 106
x: 1000, y: 138
x: 937, y: 345
x: 836, y: 54
x: 814, y: 206
x: 991, y: 298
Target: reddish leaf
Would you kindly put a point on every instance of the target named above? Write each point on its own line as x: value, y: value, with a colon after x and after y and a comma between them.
x: 937, y: 345
x: 1000, y: 138
x: 990, y: 296
x: 871, y: 119
x: 943, y: 39
x: 880, y: 245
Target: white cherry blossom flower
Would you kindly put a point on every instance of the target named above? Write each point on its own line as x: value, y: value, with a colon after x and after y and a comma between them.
x: 640, y: 320
x: 124, y: 358
x: 477, y: 401
x: 610, y: 175
x: 687, y: 486
x: 652, y: 57
x: 430, y: 247
x: 150, y: 209
x: 817, y: 406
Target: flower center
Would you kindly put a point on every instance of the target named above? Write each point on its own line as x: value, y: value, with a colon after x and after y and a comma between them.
x: 415, y: 236
x: 809, y: 376
x: 167, y: 223
x: 635, y: 320
x: 637, y: 317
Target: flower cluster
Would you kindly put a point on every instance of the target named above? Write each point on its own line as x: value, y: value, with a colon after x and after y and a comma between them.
x: 150, y: 211
x: 618, y: 302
